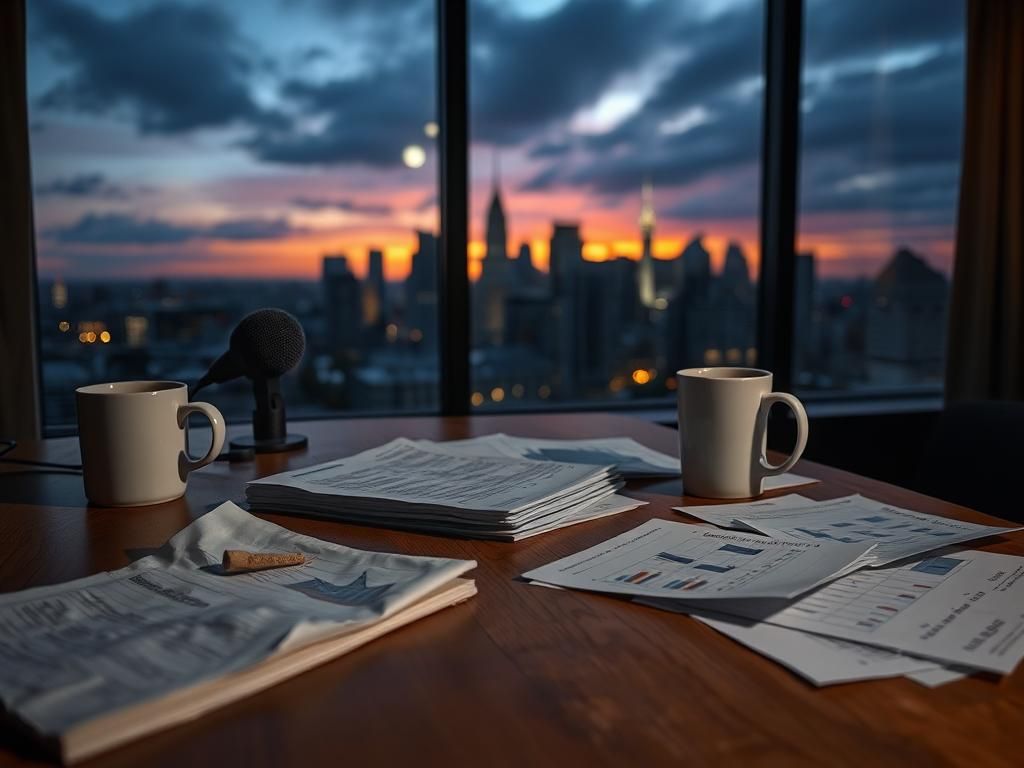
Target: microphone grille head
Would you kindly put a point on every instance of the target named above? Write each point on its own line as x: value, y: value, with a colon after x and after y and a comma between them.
x: 268, y: 342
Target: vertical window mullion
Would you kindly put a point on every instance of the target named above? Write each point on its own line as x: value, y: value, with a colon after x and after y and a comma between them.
x: 780, y: 163
x: 453, y: 201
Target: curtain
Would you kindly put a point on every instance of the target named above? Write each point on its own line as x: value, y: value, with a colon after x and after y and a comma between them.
x: 986, y: 335
x: 19, y: 373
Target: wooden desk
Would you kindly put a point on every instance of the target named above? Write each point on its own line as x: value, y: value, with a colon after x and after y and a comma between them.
x: 520, y: 675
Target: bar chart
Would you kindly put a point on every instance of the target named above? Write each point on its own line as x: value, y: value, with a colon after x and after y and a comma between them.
x: 866, y: 600
x: 699, y: 565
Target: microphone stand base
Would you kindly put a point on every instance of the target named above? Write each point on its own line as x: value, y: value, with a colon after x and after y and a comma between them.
x: 289, y: 442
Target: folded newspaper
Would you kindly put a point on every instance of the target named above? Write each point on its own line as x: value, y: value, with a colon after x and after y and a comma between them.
x: 100, y: 661
x: 423, y: 486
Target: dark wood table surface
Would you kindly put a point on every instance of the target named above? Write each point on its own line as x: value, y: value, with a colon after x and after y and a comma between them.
x: 519, y: 675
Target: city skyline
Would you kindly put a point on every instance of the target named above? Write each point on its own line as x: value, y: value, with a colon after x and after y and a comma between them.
x: 291, y: 145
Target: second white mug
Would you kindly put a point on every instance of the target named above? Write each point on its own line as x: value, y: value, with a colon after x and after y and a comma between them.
x: 723, y: 425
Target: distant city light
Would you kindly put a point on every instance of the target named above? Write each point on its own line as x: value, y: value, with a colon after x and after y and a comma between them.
x: 733, y: 355
x: 63, y: 325
x: 543, y: 391
x: 518, y: 390
x: 640, y: 376
x: 477, y: 399
x: 59, y: 294
x: 712, y: 357
x: 846, y: 301
x: 670, y: 383
x: 416, y: 335
x: 617, y: 384
x: 661, y: 303
x: 497, y: 394
x: 90, y: 336
x: 135, y: 329
x: 414, y: 156
x: 82, y: 337
x: 105, y: 337
x: 431, y: 130
x: 391, y: 332
x: 751, y: 355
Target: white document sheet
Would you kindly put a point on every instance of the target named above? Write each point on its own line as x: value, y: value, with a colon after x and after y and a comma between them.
x: 726, y: 515
x: 73, y: 651
x: 964, y: 609
x: 820, y: 660
x: 786, y: 480
x: 629, y: 457
x: 665, y: 559
x: 933, y: 678
x: 899, y: 533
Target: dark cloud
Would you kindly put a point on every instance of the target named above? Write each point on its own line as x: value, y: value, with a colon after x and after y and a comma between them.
x: 909, y: 115
x: 248, y: 229
x: 173, y: 68
x: 531, y: 72
x: 369, y: 118
x: 543, y: 180
x: 341, y: 204
x: 127, y: 229
x: 548, y: 149
x: 117, y: 229
x: 82, y: 185
x: 839, y: 30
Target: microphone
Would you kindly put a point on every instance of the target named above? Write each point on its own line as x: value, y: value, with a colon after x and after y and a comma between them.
x: 264, y: 346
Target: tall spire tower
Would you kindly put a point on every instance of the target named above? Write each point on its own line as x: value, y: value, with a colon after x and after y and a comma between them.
x: 489, y: 292
x: 645, y: 272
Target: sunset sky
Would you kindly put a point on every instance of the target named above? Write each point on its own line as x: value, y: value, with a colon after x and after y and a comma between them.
x: 186, y: 138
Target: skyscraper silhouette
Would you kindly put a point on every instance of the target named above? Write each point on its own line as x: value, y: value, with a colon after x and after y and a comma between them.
x: 646, y: 289
x: 489, y: 304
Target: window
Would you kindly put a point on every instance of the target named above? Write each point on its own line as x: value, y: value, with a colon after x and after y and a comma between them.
x: 614, y: 161
x: 196, y: 161
x: 881, y: 119
x: 193, y: 163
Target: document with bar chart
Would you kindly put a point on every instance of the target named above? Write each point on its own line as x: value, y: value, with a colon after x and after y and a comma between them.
x: 965, y: 609
x: 899, y: 533
x: 666, y: 559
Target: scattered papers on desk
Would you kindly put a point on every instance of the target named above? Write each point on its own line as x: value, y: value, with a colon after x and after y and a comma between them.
x: 822, y: 660
x: 662, y: 558
x: 630, y: 458
x: 964, y: 609
x: 99, y: 661
x: 422, y: 486
x: 898, y: 533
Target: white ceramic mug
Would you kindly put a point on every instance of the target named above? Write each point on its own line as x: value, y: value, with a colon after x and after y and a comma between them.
x: 723, y: 426
x: 134, y: 441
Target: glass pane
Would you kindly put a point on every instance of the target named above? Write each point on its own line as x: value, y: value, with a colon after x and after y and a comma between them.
x: 880, y: 164
x: 196, y: 161
x: 614, y: 196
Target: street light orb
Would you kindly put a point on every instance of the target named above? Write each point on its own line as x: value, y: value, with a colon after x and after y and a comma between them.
x: 413, y: 156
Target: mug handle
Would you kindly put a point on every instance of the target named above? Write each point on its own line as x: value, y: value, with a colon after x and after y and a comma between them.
x: 797, y: 408
x: 216, y: 422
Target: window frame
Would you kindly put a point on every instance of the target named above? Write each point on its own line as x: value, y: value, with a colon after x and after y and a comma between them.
x: 780, y: 158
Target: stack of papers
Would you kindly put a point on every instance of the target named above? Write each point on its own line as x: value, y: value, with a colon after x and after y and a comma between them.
x: 422, y: 486
x: 632, y: 459
x: 97, y: 662
x: 886, y: 608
